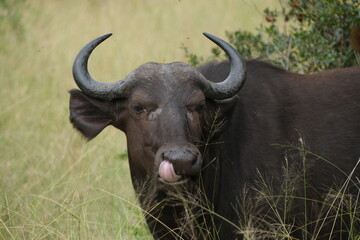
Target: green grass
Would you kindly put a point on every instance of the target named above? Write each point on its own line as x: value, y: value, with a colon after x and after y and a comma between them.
x: 54, y: 185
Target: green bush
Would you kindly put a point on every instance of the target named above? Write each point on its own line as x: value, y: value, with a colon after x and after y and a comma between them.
x: 303, y: 36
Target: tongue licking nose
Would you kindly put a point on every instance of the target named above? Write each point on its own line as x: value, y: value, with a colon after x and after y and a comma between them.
x: 167, y: 172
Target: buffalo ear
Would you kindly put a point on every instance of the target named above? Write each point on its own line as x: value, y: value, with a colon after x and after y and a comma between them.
x: 218, y: 112
x: 88, y: 115
x: 225, y: 106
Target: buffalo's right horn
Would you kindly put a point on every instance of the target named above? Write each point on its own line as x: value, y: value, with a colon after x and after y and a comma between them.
x: 91, y: 87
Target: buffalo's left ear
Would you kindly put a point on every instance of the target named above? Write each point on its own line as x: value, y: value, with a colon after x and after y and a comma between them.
x: 224, y: 107
x: 89, y: 115
x: 219, y: 111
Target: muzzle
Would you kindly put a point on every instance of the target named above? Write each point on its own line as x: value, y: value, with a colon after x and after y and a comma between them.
x: 178, y: 164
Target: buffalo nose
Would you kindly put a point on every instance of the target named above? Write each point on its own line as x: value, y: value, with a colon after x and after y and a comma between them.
x: 186, y: 161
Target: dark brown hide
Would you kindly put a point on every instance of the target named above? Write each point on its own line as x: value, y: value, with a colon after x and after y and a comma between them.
x: 166, y: 116
x: 276, y: 112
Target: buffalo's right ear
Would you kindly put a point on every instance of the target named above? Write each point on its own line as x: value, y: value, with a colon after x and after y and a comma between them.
x: 89, y: 115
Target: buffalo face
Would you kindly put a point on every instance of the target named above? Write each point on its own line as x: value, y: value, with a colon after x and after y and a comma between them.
x: 163, y: 123
x: 161, y: 117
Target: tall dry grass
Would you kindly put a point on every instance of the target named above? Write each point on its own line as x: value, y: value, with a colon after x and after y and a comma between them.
x: 54, y: 185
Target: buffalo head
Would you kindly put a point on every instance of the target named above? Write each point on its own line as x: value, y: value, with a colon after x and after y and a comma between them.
x: 160, y: 107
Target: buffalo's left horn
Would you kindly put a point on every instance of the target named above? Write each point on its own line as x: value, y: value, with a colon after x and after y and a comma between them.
x: 91, y: 87
x: 236, y: 79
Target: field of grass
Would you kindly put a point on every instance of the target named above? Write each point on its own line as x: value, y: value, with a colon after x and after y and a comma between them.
x: 53, y: 184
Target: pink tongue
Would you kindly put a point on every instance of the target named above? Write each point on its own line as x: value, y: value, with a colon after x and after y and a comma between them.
x: 167, y: 172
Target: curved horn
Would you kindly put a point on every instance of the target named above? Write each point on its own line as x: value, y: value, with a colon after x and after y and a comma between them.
x: 236, y: 79
x: 91, y: 87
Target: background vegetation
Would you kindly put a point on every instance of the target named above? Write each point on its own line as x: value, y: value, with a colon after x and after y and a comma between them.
x: 54, y: 185
x: 302, y: 36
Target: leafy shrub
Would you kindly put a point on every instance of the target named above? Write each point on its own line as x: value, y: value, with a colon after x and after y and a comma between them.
x: 303, y: 36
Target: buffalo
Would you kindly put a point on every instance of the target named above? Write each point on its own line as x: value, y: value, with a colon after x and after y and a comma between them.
x: 235, y: 149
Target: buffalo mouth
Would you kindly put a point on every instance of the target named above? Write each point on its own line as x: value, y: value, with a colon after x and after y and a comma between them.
x: 178, y: 164
x: 168, y: 175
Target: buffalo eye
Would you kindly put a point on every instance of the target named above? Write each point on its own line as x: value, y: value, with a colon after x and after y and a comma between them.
x: 200, y: 107
x: 196, y: 108
x: 138, y: 109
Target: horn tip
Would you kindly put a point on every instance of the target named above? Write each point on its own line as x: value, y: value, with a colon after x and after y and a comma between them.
x: 108, y: 35
x: 208, y: 35
x: 212, y: 37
